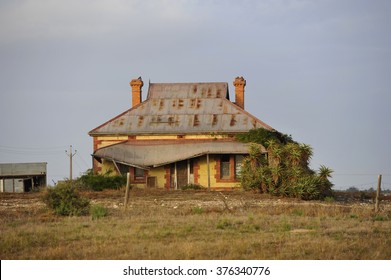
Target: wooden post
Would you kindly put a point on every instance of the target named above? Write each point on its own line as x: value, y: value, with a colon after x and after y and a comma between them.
x: 378, y: 193
x: 176, y: 177
x: 127, y: 190
x: 208, y: 167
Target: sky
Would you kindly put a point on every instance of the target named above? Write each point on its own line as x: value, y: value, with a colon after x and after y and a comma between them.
x: 317, y: 70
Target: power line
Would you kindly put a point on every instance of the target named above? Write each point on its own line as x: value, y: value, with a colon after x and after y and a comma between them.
x: 31, y: 151
x: 82, y: 159
x: 359, y: 174
x: 32, y: 148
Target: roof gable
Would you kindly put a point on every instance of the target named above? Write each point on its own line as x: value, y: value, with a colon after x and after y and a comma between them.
x: 182, y: 108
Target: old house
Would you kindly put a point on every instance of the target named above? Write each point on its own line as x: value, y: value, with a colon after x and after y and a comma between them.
x: 183, y: 133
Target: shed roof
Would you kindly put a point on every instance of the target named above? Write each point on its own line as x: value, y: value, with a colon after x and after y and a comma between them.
x: 149, y: 153
x: 22, y: 169
x: 186, y: 108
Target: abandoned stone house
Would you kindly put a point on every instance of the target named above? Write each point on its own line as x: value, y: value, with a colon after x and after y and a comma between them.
x: 183, y: 133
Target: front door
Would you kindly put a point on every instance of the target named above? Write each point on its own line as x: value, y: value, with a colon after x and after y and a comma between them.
x: 182, y: 172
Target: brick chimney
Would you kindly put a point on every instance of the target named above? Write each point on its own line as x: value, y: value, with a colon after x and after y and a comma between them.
x: 136, y: 85
x: 239, y: 84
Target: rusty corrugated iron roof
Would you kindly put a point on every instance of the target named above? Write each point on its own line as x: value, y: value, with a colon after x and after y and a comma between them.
x: 150, y: 153
x: 182, y: 108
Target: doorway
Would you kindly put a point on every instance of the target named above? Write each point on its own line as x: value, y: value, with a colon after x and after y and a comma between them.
x: 181, y: 173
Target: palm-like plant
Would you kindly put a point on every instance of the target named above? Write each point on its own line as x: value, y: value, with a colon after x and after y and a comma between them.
x: 324, y: 182
x: 293, y: 154
x: 255, y: 153
x: 276, y: 172
x: 325, y: 172
x: 306, y: 153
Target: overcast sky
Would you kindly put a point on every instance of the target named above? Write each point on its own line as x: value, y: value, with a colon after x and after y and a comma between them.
x: 318, y: 70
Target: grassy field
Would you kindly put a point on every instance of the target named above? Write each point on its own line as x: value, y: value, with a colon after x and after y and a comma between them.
x: 195, y: 225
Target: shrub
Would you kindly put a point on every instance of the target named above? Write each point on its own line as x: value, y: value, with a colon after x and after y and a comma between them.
x: 197, y: 210
x: 224, y: 224
x: 192, y: 187
x: 280, y: 166
x: 380, y: 218
x: 65, y: 200
x: 329, y: 199
x: 101, y: 182
x: 98, y: 211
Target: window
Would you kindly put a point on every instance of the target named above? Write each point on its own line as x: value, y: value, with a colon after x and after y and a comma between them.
x: 225, y: 167
x: 123, y: 169
x: 230, y: 167
x: 138, y: 173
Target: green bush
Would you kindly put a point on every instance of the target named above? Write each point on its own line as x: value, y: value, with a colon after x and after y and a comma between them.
x: 280, y: 166
x: 65, y: 200
x: 98, y: 211
x: 192, y: 187
x: 197, y: 210
x: 224, y: 224
x: 329, y: 199
x: 100, y: 182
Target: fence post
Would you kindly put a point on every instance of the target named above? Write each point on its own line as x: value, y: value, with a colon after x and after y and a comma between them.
x: 127, y: 190
x: 378, y: 193
x: 208, y: 169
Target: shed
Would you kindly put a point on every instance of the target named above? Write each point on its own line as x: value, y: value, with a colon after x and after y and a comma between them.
x: 22, y: 177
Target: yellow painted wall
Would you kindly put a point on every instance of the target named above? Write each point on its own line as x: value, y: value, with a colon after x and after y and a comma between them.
x: 203, y: 172
x: 110, y: 140
x: 185, y: 136
x: 205, y: 136
x: 108, y: 167
x: 159, y: 173
x: 156, y: 137
x: 139, y: 186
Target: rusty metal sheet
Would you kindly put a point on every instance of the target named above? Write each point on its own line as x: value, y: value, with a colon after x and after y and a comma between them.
x: 182, y: 108
x: 150, y: 153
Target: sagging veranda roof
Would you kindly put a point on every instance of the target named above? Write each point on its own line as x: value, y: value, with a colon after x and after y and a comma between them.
x: 149, y: 153
x: 182, y: 108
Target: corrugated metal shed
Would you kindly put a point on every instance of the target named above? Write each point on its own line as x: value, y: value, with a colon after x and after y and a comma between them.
x: 22, y: 169
x: 146, y: 154
x: 22, y: 177
x: 182, y: 108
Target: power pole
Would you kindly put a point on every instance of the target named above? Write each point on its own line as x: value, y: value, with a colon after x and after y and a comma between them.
x: 70, y: 155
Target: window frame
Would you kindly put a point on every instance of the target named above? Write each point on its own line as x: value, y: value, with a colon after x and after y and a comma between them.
x: 233, y: 173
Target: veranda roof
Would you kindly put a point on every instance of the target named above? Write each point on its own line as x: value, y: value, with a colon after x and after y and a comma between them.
x: 149, y: 153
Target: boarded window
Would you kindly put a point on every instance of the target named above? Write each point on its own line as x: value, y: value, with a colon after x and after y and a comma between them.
x: 238, y: 165
x: 151, y: 181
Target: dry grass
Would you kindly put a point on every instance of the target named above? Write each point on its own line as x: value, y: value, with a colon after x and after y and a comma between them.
x: 195, y: 225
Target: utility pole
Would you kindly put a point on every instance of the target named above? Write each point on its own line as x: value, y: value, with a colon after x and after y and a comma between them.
x: 70, y: 155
